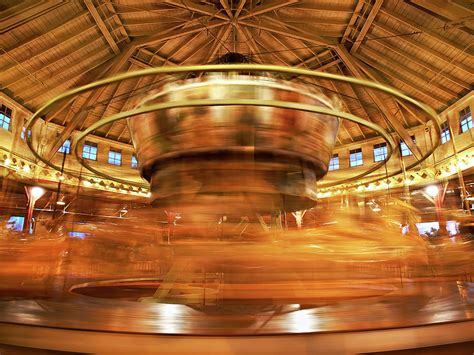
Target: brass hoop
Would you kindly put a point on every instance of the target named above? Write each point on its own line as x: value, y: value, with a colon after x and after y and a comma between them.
x: 252, y: 68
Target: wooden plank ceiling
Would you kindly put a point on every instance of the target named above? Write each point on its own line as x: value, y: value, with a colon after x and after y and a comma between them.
x: 50, y: 46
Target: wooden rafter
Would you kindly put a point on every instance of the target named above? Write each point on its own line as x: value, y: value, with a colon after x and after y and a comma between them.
x: 267, y: 7
x: 33, y: 9
x: 285, y: 45
x: 32, y: 92
x: 102, y: 27
x: 173, y: 32
x: 196, y: 50
x: 245, y: 32
x: 240, y: 6
x: 152, y: 56
x: 422, y: 81
x: 429, y: 32
x: 390, y: 117
x: 424, y: 48
x: 199, y: 8
x: 352, y: 21
x: 346, y: 106
x: 367, y: 23
x: 46, y: 33
x: 218, y: 41
x: 313, y: 38
x: 326, y: 66
x: 226, y: 6
x: 313, y: 58
x: 373, y: 75
x: 180, y: 48
x: 46, y: 49
x: 427, y: 94
x: 55, y: 62
x: 93, y: 96
x: 99, y: 71
x: 421, y: 63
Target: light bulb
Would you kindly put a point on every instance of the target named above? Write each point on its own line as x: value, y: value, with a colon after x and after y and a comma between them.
x: 36, y: 192
x: 432, y: 190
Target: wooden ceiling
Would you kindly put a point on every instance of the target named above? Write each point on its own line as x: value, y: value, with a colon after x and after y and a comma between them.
x: 424, y: 48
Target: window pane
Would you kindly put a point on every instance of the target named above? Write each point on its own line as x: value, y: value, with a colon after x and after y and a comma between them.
x: 355, y: 157
x: 115, y: 157
x: 465, y: 119
x: 66, y: 147
x: 380, y: 152
x: 89, y: 151
x: 334, y: 163
x: 404, y: 150
x: 5, y: 117
x: 445, y: 134
x: 134, y: 162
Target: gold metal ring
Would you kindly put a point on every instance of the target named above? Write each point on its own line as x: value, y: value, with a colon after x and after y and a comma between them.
x: 431, y: 114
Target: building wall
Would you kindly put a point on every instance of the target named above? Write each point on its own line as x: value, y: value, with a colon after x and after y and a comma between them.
x: 45, y: 135
x: 423, y: 137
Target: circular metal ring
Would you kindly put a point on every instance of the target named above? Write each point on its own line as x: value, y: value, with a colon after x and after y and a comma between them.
x: 235, y: 102
x: 253, y: 68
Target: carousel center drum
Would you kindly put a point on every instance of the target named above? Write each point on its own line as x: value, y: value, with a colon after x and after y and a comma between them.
x: 228, y: 159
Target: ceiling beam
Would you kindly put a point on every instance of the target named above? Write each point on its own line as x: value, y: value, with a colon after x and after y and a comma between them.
x: 59, y: 109
x: 326, y: 66
x: 390, y: 117
x: 249, y: 39
x: 152, y: 56
x: 94, y: 73
x: 457, y: 14
x: 181, y: 47
x: 358, y: 99
x: 240, y: 6
x: 311, y: 5
x: 428, y: 96
x: 429, y: 32
x: 352, y: 21
x: 102, y: 27
x: 298, y: 28
x: 311, y: 38
x: 139, y: 63
x: 367, y: 23
x: 199, y: 8
x: 196, y: 50
x: 314, y: 57
x: 400, y: 72
x: 218, y: 42
x: 47, y: 32
x: 105, y: 108
x: 424, y: 48
x: 16, y: 16
x: 111, y: 8
x: 176, y: 32
x: 276, y: 39
x: 226, y: 6
x: 30, y: 92
x: 267, y: 7
x: 373, y: 75
x: 49, y: 48
x: 118, y: 65
x: 56, y: 62
x: 408, y: 56
x: 347, y: 108
x: 130, y: 102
